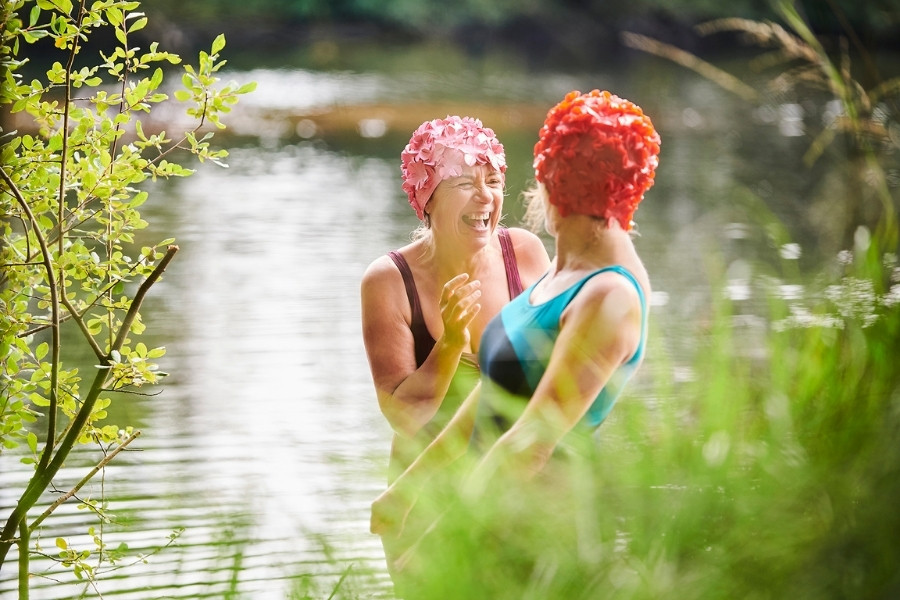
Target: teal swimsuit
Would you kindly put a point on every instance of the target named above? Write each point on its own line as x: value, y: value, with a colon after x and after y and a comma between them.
x: 517, y: 344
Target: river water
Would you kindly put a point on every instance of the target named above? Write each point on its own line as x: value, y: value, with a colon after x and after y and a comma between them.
x: 265, y: 445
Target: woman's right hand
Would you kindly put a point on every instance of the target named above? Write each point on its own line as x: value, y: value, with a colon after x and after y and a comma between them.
x: 389, y: 512
x: 459, y: 305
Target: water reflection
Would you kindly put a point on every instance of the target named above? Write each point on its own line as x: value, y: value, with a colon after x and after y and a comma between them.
x: 267, y: 431
x: 270, y: 366
x: 266, y: 444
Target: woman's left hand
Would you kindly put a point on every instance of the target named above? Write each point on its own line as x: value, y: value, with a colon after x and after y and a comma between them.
x: 459, y: 305
x: 389, y: 513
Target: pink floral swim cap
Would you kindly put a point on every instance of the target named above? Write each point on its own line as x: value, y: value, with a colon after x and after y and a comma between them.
x: 597, y: 155
x: 438, y: 149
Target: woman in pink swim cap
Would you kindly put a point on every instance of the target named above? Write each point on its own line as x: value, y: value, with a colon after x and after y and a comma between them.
x: 424, y: 306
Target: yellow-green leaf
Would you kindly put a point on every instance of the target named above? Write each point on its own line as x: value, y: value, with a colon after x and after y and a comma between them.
x: 114, y: 16
x: 218, y: 43
x: 38, y: 400
x: 138, y: 25
x: 63, y: 5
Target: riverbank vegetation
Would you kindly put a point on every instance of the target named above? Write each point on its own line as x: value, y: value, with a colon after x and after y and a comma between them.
x: 552, y: 32
x: 769, y: 471
x: 766, y: 476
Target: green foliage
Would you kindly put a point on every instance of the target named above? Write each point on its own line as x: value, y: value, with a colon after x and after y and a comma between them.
x: 69, y: 200
x: 772, y: 476
x: 858, y: 117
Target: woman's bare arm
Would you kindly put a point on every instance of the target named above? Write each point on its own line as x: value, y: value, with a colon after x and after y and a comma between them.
x: 409, y: 396
x: 600, y: 330
x: 390, y: 509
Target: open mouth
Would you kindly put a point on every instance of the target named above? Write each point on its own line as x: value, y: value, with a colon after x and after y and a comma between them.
x: 477, y: 220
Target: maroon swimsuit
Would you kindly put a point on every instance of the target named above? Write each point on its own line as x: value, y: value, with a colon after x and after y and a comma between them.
x: 467, y: 373
x: 424, y: 341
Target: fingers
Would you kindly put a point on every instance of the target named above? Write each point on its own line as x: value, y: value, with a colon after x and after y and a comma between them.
x: 457, y: 288
x: 458, y: 299
x: 463, y: 309
x: 468, y: 313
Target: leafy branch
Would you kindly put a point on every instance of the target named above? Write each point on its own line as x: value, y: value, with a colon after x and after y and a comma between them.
x: 69, y: 193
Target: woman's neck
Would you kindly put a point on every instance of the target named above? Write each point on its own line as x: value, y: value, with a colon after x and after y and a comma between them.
x: 584, y: 242
x: 449, y: 262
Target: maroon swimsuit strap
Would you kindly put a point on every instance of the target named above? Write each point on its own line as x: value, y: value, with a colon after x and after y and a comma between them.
x: 422, y: 340
x: 421, y: 336
x: 513, y: 281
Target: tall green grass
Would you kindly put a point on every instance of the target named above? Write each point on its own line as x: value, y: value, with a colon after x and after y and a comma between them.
x: 769, y: 476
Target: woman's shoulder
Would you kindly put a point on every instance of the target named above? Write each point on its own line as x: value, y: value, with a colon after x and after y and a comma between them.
x: 623, y: 286
x: 608, y: 312
x: 383, y: 272
x: 518, y: 235
x: 633, y: 274
x: 379, y: 267
x: 383, y: 289
x: 384, y: 266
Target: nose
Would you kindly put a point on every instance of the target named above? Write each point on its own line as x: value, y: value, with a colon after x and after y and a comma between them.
x: 483, y: 192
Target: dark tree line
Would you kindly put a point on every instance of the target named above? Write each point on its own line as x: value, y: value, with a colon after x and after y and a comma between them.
x: 270, y: 24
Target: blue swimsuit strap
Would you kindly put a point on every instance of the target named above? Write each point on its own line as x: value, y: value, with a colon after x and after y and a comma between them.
x: 603, y: 403
x: 640, y: 291
x: 637, y: 286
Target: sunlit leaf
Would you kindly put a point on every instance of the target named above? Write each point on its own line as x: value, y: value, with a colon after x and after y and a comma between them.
x: 218, y: 43
x: 63, y: 5
x: 138, y: 25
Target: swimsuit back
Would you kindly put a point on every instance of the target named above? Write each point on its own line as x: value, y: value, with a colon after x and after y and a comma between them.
x: 516, y: 346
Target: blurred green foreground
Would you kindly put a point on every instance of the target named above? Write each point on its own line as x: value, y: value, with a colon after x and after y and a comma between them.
x: 771, y: 477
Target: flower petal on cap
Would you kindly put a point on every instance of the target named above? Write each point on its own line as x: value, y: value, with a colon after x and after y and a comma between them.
x: 438, y: 149
x: 597, y: 155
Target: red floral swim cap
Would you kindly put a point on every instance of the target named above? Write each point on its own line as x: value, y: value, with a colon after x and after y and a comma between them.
x: 597, y: 155
x: 439, y: 148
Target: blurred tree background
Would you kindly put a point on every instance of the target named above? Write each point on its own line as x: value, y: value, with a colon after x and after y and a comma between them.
x: 573, y: 32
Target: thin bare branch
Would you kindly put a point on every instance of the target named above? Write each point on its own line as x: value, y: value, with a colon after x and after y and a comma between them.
x: 106, y: 460
x: 139, y: 297
x: 686, y: 59
x: 55, y: 317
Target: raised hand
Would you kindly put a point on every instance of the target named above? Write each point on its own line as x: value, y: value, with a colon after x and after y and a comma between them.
x: 459, y: 305
x: 389, y: 513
